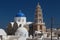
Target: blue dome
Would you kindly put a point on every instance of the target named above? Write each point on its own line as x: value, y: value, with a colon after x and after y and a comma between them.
x: 20, y: 14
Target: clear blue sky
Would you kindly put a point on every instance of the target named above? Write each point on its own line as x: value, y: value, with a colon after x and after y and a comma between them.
x: 9, y: 9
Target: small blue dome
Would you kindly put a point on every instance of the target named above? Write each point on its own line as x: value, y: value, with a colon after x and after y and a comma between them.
x: 20, y: 14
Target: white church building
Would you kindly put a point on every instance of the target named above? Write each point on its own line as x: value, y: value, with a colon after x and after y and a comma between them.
x: 19, y: 20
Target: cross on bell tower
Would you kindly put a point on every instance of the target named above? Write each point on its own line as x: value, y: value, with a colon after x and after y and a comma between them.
x: 39, y: 25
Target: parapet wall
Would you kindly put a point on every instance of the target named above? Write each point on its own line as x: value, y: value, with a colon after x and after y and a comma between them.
x: 22, y: 38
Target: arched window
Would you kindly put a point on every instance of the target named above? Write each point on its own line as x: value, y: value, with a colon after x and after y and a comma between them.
x: 20, y: 25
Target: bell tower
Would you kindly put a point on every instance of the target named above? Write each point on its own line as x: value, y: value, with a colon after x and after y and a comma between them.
x: 38, y: 14
x: 38, y: 24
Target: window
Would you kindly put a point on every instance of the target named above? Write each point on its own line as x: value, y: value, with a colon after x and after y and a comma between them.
x: 18, y: 20
x: 22, y: 20
x: 20, y: 25
x: 41, y: 27
x: 40, y: 20
x: 40, y: 15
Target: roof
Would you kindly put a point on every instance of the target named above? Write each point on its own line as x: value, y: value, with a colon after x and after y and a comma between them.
x: 20, y: 14
x: 22, y: 32
x: 2, y: 32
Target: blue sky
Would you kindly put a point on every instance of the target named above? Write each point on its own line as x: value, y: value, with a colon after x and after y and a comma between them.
x: 9, y: 9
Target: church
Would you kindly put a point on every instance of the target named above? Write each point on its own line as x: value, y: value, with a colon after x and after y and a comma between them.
x: 20, y: 18
x: 20, y: 29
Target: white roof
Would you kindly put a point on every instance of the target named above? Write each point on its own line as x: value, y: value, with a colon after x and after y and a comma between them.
x: 29, y: 22
x: 2, y: 32
x: 21, y: 31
